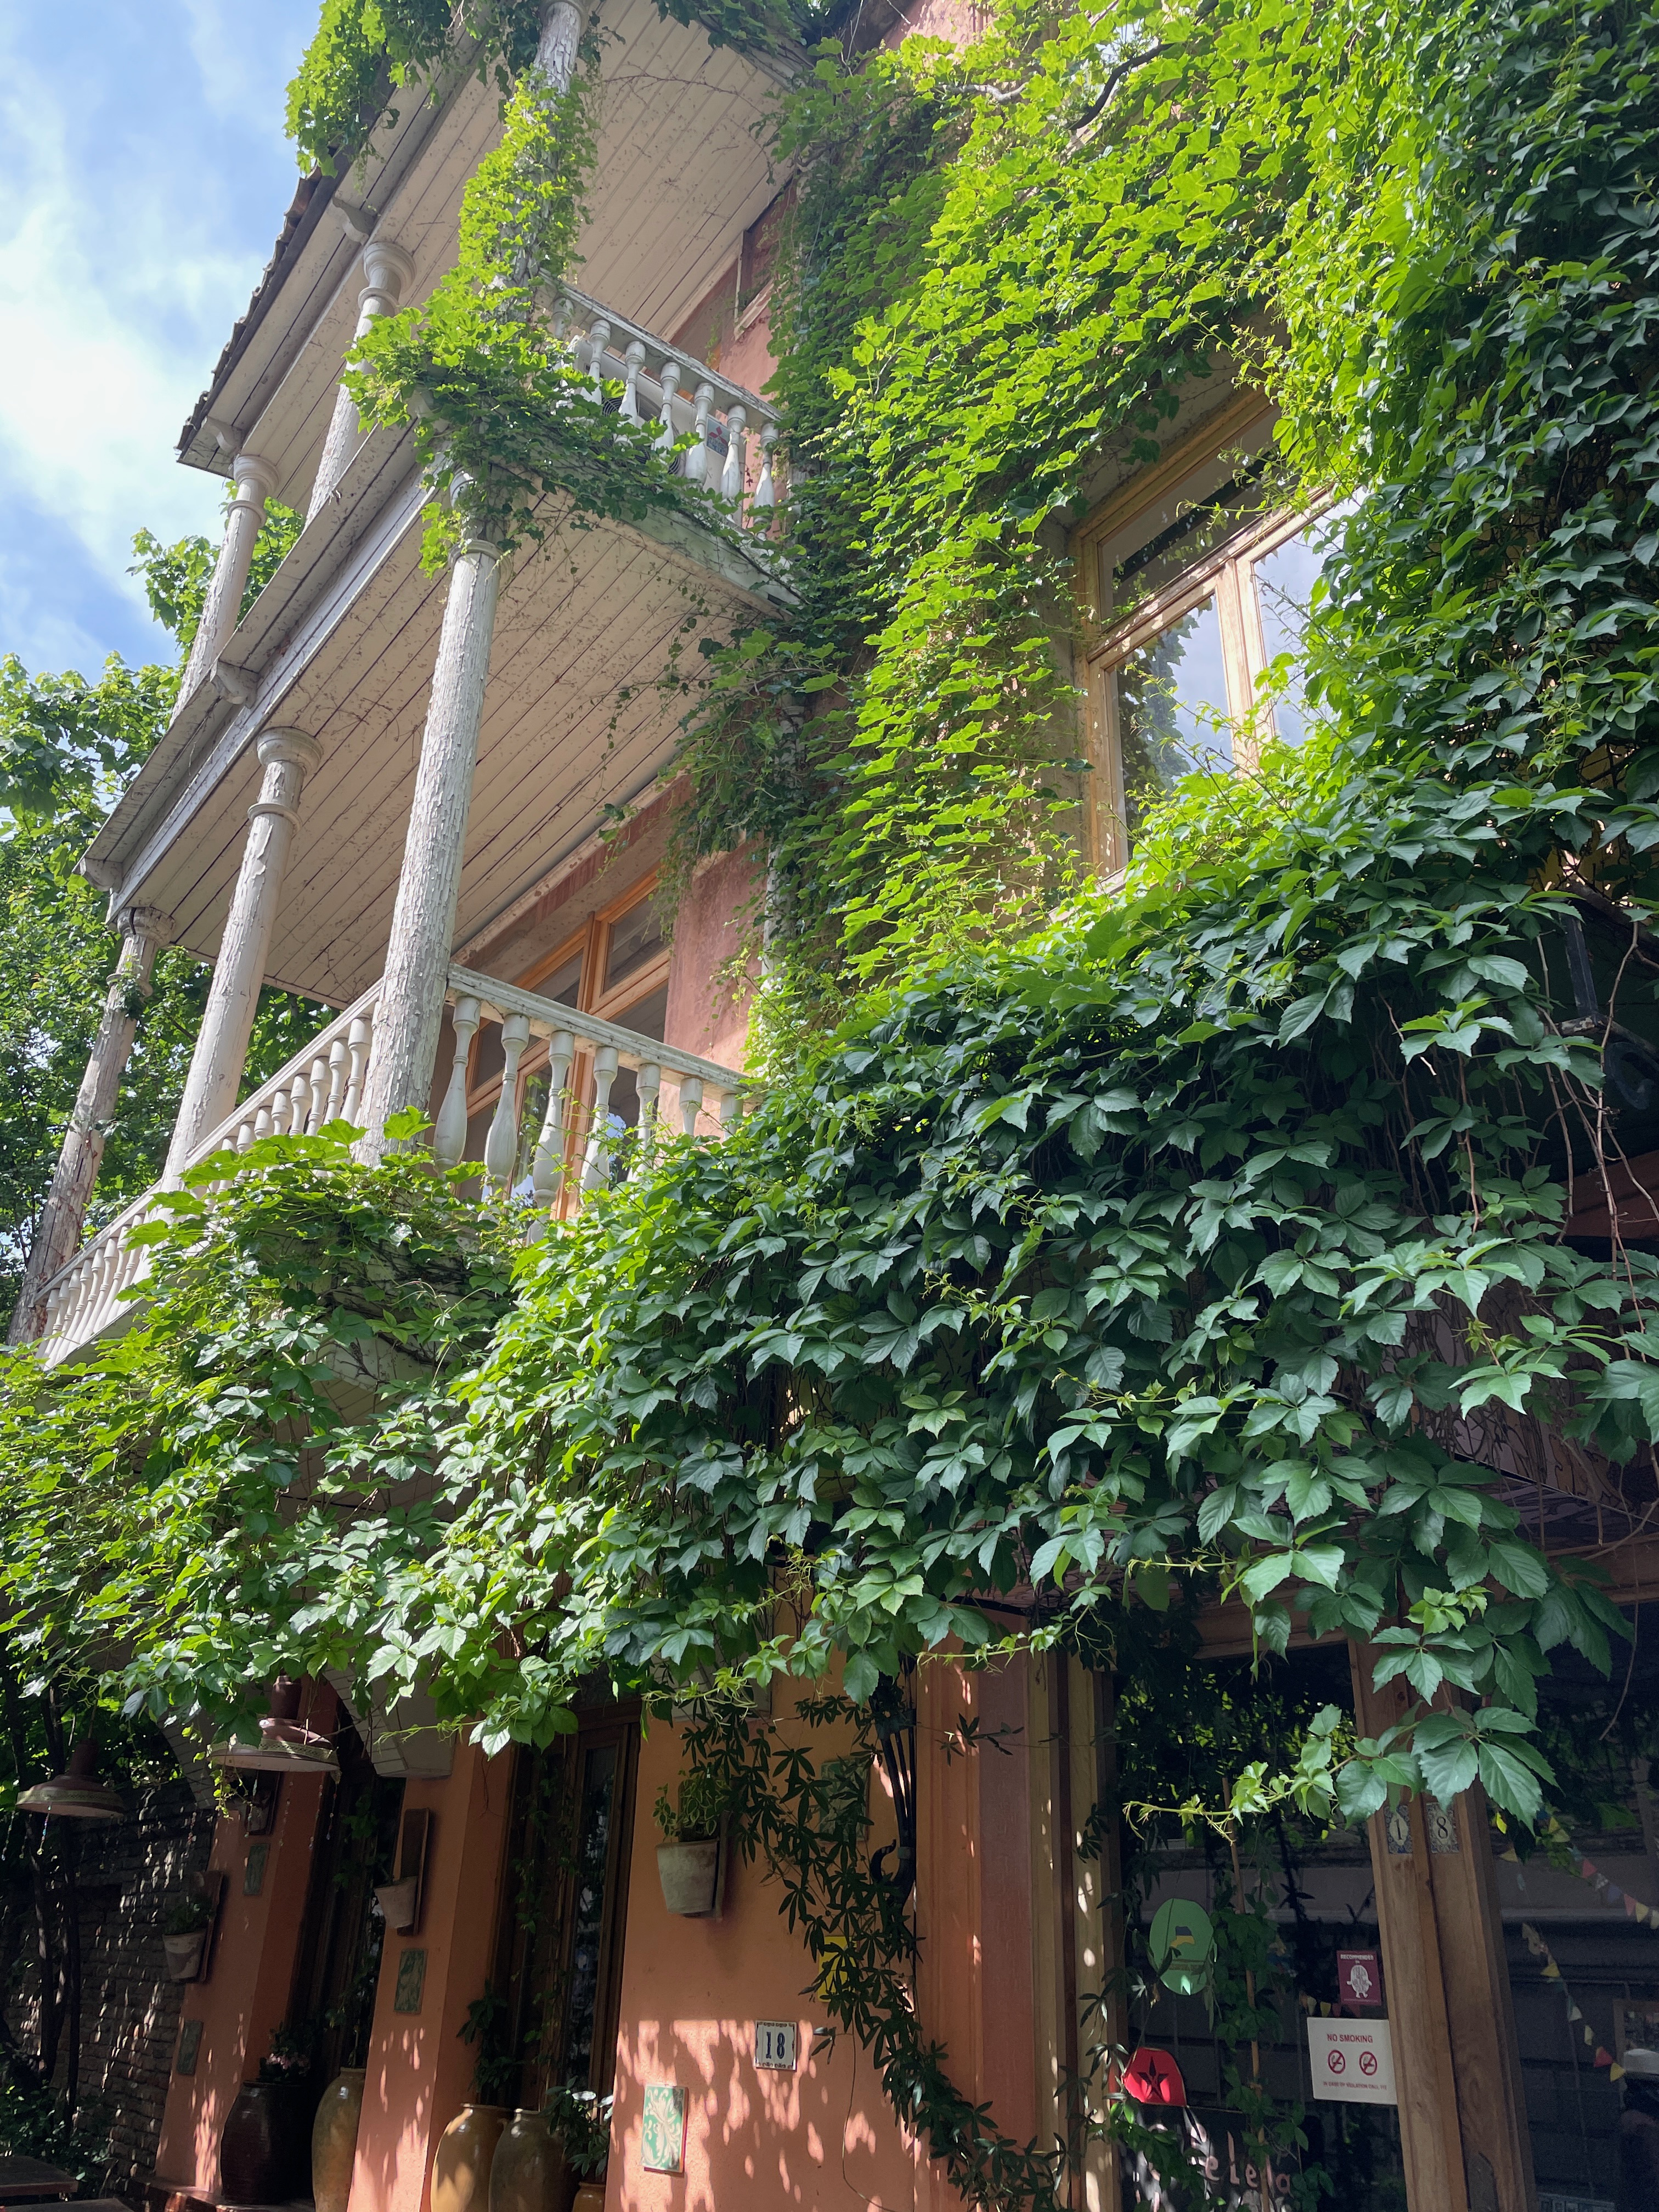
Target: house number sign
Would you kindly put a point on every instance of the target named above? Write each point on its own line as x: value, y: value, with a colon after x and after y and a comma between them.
x: 774, y: 2044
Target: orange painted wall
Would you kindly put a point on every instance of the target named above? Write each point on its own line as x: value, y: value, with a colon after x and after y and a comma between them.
x: 420, y: 2072
x: 704, y: 1017
x: 692, y: 1991
x: 252, y: 1976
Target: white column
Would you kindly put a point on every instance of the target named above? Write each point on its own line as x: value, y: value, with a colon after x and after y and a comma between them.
x: 143, y: 931
x: 408, y: 1012
x: 255, y: 482
x: 221, y: 1054
x: 386, y: 269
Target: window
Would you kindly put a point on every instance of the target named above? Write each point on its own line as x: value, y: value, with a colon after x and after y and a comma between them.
x: 616, y: 967
x: 1198, y: 589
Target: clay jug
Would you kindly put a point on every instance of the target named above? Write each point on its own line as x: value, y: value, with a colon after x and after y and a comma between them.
x: 334, y: 2139
x: 529, y: 2174
x: 460, y: 2166
x: 590, y: 2197
x: 262, y: 2144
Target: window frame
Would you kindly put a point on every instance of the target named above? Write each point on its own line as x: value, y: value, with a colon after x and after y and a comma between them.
x: 1218, y: 575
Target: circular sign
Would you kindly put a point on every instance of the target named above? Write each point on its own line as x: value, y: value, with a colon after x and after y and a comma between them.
x: 1368, y: 2063
x: 1182, y: 1944
x: 1336, y: 2062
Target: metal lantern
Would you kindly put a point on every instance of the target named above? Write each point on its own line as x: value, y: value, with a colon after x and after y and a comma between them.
x: 285, y: 1745
x: 77, y: 1793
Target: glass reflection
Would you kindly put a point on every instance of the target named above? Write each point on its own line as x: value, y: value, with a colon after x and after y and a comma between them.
x: 593, y: 1860
x: 1171, y: 708
x: 1285, y: 580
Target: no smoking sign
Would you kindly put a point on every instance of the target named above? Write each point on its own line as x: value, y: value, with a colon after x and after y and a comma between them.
x: 1352, y: 2060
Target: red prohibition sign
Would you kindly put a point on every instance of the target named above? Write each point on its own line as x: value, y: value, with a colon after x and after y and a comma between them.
x: 1368, y: 2062
x: 1337, y: 2063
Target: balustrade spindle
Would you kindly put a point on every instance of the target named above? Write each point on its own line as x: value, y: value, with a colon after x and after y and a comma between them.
x: 317, y: 1085
x: 766, y: 491
x: 338, y: 1058
x: 732, y: 477
x: 670, y: 385
x: 262, y: 1124
x: 357, y: 1044
x: 449, y: 1131
x: 690, y: 1100
x: 547, y: 1168
x: 650, y: 1086
x: 598, y: 1167
x: 299, y: 1105
x: 633, y: 362
x: 502, y: 1144
x: 599, y: 337
x: 697, y: 461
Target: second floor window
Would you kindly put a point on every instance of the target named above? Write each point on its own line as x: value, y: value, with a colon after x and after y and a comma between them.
x: 1199, y: 596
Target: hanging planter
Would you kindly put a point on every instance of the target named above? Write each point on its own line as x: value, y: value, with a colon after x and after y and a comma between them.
x: 184, y: 1955
x: 689, y: 1869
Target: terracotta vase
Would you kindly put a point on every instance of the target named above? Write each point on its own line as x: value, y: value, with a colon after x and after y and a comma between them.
x: 262, y: 2146
x: 529, y: 2173
x: 590, y: 2197
x: 334, y: 2139
x: 460, y: 2166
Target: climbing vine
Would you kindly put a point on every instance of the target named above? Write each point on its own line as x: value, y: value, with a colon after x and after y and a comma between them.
x: 1219, y: 1233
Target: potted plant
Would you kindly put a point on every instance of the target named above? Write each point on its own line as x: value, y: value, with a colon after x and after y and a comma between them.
x: 265, y: 2148
x: 581, y: 2119
x: 688, y: 1858
x: 184, y: 1926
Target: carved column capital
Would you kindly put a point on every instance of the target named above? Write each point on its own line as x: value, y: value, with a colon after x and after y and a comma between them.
x: 297, y: 747
x: 148, y: 922
x: 387, y: 272
x: 255, y: 479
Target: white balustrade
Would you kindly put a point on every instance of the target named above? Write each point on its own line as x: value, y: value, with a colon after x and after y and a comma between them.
x: 319, y: 1084
x: 579, y: 1143
x: 665, y: 384
x: 579, y: 1146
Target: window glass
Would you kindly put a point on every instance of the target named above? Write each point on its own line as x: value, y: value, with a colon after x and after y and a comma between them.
x: 592, y: 1862
x: 1172, y: 706
x: 564, y: 985
x: 1285, y: 580
x: 1196, y: 527
x: 636, y: 939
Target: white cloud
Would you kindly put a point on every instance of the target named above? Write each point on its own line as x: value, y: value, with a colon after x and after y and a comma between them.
x: 142, y: 178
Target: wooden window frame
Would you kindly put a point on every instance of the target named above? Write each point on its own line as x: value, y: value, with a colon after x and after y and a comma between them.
x: 1223, y: 573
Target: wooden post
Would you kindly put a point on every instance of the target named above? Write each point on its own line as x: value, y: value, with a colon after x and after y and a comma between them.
x: 386, y: 269
x: 143, y: 931
x: 238, y: 975
x: 255, y: 481
x: 1462, y: 2120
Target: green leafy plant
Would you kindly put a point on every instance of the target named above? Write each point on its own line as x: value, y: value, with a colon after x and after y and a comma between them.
x: 695, y: 1813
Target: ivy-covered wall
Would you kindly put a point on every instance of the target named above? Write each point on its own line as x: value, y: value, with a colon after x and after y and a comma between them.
x: 1117, y: 1246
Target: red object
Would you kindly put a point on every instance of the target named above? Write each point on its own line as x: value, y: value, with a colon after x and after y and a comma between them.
x: 1152, y: 2077
x: 1360, y: 1981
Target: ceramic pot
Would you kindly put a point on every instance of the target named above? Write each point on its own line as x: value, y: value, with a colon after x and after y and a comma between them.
x: 262, y: 2146
x: 397, y: 1901
x: 529, y: 2173
x: 689, y: 1874
x: 185, y: 1954
x: 334, y: 2139
x: 460, y: 2166
x: 590, y: 2197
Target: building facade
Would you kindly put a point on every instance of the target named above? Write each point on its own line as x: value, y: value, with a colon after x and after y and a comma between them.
x: 396, y: 792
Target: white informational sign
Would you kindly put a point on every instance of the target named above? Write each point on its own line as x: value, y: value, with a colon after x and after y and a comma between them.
x: 774, y: 2044
x: 1353, y: 2061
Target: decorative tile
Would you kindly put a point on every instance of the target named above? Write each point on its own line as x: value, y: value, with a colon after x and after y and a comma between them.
x: 189, y: 2044
x: 1397, y: 1826
x: 411, y: 1981
x: 665, y: 2129
x: 253, y: 1872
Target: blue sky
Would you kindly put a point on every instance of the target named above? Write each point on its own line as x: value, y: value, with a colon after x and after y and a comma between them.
x: 143, y: 176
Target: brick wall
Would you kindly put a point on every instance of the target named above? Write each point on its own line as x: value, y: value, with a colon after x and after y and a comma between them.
x: 129, y: 2008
